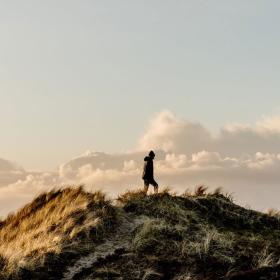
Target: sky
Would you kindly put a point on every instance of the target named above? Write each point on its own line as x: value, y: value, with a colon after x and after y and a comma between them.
x: 101, y: 76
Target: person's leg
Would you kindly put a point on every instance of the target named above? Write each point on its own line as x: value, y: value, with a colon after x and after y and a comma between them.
x: 155, y: 184
x: 146, y: 186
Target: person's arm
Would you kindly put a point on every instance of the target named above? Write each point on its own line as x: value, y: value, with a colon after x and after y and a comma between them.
x: 144, y: 170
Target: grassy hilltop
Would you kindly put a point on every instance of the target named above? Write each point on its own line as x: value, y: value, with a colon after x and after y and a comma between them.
x: 72, y: 234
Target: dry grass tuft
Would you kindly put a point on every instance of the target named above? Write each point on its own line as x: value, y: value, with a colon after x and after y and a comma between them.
x: 131, y: 195
x: 272, y: 212
x: 51, y: 222
x: 167, y: 190
x: 200, y: 190
x: 187, y: 193
x: 218, y: 191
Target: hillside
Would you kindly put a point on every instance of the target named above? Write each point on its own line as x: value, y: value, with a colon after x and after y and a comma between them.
x: 72, y: 234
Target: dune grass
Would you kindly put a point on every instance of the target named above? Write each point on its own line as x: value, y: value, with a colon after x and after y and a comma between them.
x: 56, y: 222
x: 197, y: 233
x: 203, y: 232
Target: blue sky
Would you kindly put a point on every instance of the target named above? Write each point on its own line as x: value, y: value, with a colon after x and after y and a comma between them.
x: 78, y: 75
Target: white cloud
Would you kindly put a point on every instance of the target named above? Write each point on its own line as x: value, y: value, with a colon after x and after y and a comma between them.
x: 10, y: 172
x: 243, y: 158
x: 172, y: 134
x: 23, y: 190
x: 169, y: 133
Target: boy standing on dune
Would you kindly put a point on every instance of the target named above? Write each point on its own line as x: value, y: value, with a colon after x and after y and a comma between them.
x: 148, y: 173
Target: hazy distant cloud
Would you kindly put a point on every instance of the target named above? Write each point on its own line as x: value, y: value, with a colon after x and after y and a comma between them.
x: 10, y: 172
x: 245, y: 159
x: 179, y: 171
x: 264, y: 136
x: 109, y: 172
x: 22, y: 191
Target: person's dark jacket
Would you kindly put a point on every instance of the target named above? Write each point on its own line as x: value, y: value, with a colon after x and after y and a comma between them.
x: 148, y: 171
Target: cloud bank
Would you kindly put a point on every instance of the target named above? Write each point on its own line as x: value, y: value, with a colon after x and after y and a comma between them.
x: 243, y: 158
x: 10, y: 172
x: 170, y: 133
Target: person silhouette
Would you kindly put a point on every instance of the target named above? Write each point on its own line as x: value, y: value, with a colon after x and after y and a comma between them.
x: 148, y: 173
